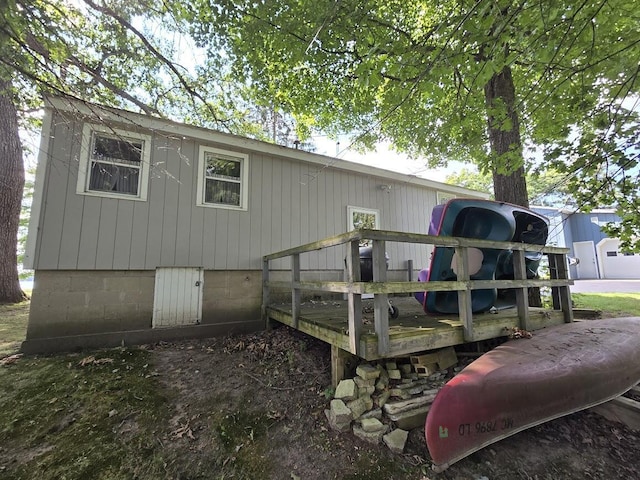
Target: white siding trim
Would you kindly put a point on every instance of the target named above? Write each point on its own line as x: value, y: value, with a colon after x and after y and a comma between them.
x: 444, y: 197
x: 369, y: 211
x: 38, y: 191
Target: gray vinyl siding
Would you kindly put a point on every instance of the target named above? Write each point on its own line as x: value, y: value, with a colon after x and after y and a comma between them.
x: 139, y: 234
x: 56, y: 193
x: 586, y: 226
x: 290, y: 203
x: 172, y: 184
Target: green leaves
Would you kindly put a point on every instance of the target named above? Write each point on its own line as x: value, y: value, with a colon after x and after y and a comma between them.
x: 416, y: 72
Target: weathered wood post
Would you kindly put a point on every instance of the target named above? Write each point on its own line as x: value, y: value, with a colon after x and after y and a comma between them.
x: 464, y: 296
x: 265, y: 292
x: 561, y: 295
x: 522, y: 293
x: 354, y: 300
x: 295, y: 289
x: 380, y: 300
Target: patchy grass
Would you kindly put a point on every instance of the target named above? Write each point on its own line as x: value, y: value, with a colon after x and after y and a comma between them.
x: 610, y: 304
x: 243, y: 438
x: 105, y: 415
x: 13, y: 327
x: 374, y: 468
x: 246, y: 408
x: 73, y: 417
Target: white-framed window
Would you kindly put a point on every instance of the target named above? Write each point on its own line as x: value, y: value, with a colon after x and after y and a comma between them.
x: 114, y: 163
x: 222, y: 179
x: 444, y: 197
x: 358, y: 217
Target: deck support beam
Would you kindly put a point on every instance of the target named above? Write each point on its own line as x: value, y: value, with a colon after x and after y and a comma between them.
x: 295, y: 291
x: 409, y: 275
x: 354, y: 300
x: 380, y: 300
x: 522, y: 294
x: 343, y: 364
x: 265, y: 293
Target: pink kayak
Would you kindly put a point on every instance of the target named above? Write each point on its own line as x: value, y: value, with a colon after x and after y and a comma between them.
x: 526, y: 382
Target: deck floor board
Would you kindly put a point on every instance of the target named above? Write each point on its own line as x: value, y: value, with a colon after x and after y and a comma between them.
x: 412, y: 332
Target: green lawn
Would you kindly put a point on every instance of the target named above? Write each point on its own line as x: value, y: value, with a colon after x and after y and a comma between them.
x: 610, y: 304
x: 96, y: 415
x: 73, y: 416
x: 13, y: 327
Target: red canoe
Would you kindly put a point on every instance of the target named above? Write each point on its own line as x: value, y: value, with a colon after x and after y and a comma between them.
x: 527, y: 382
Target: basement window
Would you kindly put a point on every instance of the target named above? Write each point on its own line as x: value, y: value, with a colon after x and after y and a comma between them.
x: 114, y: 163
x: 222, y: 179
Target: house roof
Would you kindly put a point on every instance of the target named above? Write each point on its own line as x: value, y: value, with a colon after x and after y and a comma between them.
x: 127, y: 118
x: 572, y: 210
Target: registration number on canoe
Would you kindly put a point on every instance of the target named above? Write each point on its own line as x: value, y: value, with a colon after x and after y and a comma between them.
x: 485, y: 427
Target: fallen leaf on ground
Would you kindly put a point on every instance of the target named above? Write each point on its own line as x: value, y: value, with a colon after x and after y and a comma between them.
x: 183, y: 431
x: 91, y: 360
x: 11, y: 359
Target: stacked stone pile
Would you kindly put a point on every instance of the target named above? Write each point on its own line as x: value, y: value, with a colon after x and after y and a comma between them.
x: 388, y: 398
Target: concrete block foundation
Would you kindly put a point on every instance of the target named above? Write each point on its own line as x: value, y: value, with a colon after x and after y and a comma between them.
x: 73, y: 309
x: 86, y: 309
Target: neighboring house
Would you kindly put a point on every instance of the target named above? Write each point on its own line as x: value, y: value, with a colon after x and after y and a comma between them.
x: 144, y: 229
x: 599, y: 256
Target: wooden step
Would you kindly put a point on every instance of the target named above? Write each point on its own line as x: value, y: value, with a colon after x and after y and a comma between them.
x: 622, y: 410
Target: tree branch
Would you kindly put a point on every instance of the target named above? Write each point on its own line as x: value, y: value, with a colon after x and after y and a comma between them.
x: 127, y: 25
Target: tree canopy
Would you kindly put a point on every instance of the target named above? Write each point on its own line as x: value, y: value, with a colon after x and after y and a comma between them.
x: 544, y: 188
x: 455, y: 79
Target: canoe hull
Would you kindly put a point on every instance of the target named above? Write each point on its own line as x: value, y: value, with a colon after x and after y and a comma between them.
x: 524, y: 383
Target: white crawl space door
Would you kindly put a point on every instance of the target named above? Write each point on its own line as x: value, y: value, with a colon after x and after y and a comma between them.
x: 177, y: 297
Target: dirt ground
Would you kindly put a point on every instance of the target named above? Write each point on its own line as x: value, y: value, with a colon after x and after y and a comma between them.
x: 268, y: 392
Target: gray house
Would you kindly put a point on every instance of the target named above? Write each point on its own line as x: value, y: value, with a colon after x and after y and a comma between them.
x: 145, y: 229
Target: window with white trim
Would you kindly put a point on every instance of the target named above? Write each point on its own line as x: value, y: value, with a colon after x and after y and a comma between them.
x: 222, y: 179
x: 358, y: 217
x: 444, y: 197
x: 362, y: 218
x: 114, y: 163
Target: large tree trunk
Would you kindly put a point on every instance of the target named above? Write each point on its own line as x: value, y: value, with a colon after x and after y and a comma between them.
x: 509, y: 182
x: 11, y: 187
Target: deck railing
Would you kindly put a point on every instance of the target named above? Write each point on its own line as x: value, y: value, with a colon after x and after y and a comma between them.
x: 354, y: 288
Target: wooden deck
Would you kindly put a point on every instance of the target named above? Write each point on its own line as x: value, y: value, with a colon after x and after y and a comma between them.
x: 363, y: 328
x: 413, y: 331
